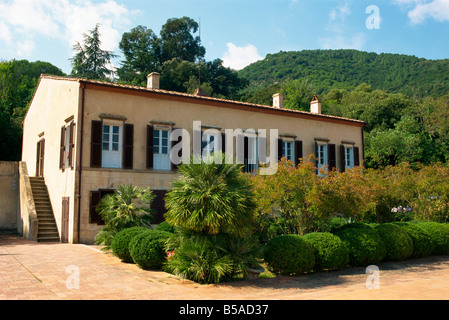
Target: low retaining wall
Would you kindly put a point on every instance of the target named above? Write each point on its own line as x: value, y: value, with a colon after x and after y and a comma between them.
x: 27, y: 224
x: 9, y: 196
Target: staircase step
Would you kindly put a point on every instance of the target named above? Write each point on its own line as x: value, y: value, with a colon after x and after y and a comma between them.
x: 47, y: 230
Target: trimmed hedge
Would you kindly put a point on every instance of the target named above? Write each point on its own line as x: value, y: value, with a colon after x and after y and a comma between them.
x: 147, y: 249
x: 330, y: 251
x: 398, y: 244
x: 165, y: 226
x: 365, y: 246
x: 289, y: 255
x: 120, y: 243
x: 423, y: 243
x: 439, y: 232
x: 352, y: 225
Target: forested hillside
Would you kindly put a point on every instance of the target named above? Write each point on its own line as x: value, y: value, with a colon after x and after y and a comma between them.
x: 404, y: 100
x: 346, y: 69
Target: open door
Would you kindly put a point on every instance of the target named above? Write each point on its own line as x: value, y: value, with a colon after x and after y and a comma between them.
x: 40, y: 152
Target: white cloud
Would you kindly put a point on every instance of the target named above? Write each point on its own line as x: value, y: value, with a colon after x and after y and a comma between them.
x: 62, y: 20
x: 425, y: 9
x: 339, y: 36
x: 340, y: 13
x: 239, y: 57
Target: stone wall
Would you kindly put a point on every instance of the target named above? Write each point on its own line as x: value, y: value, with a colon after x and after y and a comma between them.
x: 9, y: 196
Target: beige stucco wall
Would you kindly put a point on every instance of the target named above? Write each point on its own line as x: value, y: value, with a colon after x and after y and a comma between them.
x: 9, y: 195
x: 141, y: 110
x: 54, y: 102
x: 57, y: 100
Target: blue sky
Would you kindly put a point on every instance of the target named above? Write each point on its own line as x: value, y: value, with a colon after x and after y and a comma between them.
x: 237, y: 31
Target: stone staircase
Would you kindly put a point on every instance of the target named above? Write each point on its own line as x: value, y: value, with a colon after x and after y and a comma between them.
x: 47, y: 228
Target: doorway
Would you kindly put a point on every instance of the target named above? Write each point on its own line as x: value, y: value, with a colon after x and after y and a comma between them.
x: 40, y: 152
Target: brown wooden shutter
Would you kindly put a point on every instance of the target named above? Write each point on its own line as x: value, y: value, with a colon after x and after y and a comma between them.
x: 173, y: 143
x: 95, y: 143
x: 316, y: 157
x: 223, y: 142
x: 342, y: 159
x: 298, y: 151
x: 331, y: 156
x: 356, y: 157
x: 42, y: 157
x: 62, y: 150
x: 280, y: 149
x: 245, y: 153
x: 65, y: 220
x: 150, y: 146
x: 94, y: 216
x: 71, y: 144
x: 128, y: 146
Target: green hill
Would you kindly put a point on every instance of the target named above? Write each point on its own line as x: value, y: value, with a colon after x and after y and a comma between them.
x: 346, y: 69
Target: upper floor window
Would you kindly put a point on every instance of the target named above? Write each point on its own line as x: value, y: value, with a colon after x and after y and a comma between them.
x: 112, y: 146
x: 349, y: 157
x: 288, y: 150
x: 112, y: 143
x: 161, y: 149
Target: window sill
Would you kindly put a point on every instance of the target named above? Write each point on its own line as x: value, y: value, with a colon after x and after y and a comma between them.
x: 130, y: 170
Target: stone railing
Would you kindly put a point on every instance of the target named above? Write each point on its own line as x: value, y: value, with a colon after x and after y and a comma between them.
x: 28, y: 223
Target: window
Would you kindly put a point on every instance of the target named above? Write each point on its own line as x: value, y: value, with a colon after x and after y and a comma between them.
x: 209, y: 144
x: 349, y: 157
x: 111, y: 146
x: 322, y: 157
x: 250, y: 154
x: 161, y: 149
x: 288, y: 150
x: 67, y: 147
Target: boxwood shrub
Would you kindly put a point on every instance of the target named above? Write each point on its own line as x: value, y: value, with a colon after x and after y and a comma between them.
x: 147, y: 249
x: 120, y: 243
x: 423, y: 243
x: 364, y: 245
x: 289, y: 255
x: 352, y: 225
x: 439, y: 232
x: 329, y: 250
x: 165, y: 226
x: 398, y: 244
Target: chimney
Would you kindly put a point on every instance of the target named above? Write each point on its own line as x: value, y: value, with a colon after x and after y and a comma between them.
x: 153, y: 80
x: 315, y: 105
x: 278, y: 100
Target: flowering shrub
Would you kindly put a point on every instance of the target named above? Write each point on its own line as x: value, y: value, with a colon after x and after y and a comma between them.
x: 307, y: 203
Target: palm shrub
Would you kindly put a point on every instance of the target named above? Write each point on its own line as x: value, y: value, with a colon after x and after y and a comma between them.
x: 398, y: 244
x: 289, y: 254
x: 211, y: 198
x: 197, y: 257
x: 147, y: 249
x: 329, y: 250
x: 128, y: 206
x: 211, y: 206
x: 120, y: 243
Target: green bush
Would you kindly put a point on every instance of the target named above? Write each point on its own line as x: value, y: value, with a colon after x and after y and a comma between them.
x: 147, y: 249
x: 352, y: 225
x: 439, y: 232
x: 364, y: 245
x: 120, y: 243
x: 330, y: 251
x: 289, y: 255
x: 165, y: 226
x: 423, y: 244
x: 398, y: 244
